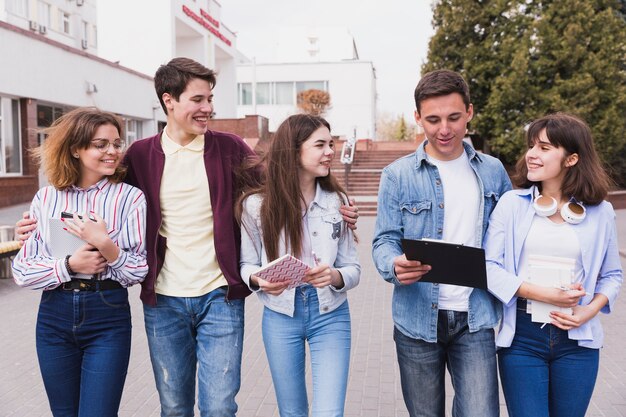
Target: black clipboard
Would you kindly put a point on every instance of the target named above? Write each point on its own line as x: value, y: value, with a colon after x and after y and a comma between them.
x: 451, y: 263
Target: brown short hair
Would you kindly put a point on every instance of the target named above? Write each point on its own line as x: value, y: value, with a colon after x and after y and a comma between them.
x: 441, y: 83
x: 173, y: 77
x: 70, y: 132
x: 586, y: 181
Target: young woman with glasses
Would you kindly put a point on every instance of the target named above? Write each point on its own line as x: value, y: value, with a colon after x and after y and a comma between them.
x: 83, y: 330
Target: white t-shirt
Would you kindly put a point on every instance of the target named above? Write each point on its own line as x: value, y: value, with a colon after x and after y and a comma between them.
x: 550, y: 239
x: 461, y: 198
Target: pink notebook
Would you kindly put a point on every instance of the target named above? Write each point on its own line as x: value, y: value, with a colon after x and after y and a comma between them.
x: 285, y: 268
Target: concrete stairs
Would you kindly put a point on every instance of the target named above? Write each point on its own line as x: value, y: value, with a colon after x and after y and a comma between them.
x: 364, y: 176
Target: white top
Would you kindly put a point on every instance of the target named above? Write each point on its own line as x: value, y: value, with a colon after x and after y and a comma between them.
x: 550, y: 239
x: 461, y: 198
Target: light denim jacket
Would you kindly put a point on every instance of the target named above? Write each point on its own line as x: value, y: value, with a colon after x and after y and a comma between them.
x: 337, y: 251
x: 602, y: 271
x: 411, y: 206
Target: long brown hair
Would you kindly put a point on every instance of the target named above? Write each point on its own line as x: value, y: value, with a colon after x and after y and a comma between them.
x: 70, y: 132
x: 280, y: 187
x: 586, y: 181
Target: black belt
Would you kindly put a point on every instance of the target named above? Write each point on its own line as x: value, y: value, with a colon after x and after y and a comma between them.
x: 522, y: 303
x: 90, y: 285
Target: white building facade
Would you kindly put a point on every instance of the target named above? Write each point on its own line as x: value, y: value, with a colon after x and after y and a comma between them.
x: 143, y: 34
x: 322, y: 58
x: 270, y: 90
x: 51, y: 62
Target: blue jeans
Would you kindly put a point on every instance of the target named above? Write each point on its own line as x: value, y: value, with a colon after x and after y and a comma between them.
x: 329, y: 342
x: 471, y: 361
x: 546, y: 374
x: 185, y: 333
x: 83, y: 346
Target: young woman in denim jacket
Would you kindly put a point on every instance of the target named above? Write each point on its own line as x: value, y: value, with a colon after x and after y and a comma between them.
x: 550, y: 370
x: 296, y: 211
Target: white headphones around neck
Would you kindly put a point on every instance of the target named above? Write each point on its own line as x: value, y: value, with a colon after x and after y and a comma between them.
x: 573, y: 212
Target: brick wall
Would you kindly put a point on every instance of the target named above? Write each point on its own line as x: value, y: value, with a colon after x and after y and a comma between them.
x: 15, y: 190
x: 250, y: 127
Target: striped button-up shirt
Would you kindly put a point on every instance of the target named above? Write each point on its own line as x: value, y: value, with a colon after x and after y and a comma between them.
x: 122, y: 207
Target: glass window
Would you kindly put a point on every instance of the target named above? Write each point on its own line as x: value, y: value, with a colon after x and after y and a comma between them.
x: 10, y: 144
x: 133, y: 130
x: 43, y: 14
x: 309, y: 85
x: 64, y: 22
x: 94, y: 35
x: 18, y: 7
x: 245, y: 94
x: 45, y: 116
x: 85, y: 33
x: 284, y: 93
x: 263, y: 93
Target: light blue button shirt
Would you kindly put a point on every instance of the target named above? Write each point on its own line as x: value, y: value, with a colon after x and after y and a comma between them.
x: 330, y: 239
x: 602, y: 271
x: 411, y: 206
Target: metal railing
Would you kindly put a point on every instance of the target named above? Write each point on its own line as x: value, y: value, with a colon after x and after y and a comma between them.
x: 347, y: 157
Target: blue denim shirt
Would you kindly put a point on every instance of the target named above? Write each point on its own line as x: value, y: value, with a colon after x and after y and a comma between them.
x: 410, y: 205
x: 332, y: 241
x: 602, y: 270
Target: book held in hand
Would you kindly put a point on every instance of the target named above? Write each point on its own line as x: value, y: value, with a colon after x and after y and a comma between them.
x: 63, y: 243
x: 284, y: 269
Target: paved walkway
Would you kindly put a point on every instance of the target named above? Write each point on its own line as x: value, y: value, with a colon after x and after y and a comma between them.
x: 373, y: 389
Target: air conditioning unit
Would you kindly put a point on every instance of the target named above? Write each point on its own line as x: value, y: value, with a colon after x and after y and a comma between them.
x: 33, y: 25
x: 80, y: 2
x: 84, y: 44
x: 43, y: 30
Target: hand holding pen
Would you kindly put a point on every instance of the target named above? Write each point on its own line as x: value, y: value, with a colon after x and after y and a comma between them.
x: 322, y: 275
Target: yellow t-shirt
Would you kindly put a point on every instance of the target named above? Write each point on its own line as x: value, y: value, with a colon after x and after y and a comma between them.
x: 190, y: 268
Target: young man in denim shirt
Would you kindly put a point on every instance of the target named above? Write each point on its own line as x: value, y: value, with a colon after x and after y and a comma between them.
x: 445, y: 190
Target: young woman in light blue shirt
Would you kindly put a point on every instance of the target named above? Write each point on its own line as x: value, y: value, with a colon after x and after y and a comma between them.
x: 548, y: 366
x: 296, y: 211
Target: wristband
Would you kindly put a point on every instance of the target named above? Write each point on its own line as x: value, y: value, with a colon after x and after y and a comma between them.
x: 67, y: 265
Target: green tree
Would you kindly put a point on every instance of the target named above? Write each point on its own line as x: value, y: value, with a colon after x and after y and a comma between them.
x: 401, y: 130
x: 525, y: 58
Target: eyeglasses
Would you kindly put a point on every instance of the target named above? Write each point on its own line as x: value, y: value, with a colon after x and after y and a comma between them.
x: 103, y: 145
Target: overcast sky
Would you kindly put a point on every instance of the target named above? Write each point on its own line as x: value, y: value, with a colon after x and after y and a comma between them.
x: 393, y: 35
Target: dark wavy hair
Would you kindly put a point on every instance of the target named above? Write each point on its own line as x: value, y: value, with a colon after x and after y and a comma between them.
x: 587, y: 180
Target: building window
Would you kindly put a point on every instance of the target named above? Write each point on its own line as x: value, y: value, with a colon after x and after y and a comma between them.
x: 43, y: 14
x: 284, y: 93
x: 310, y: 85
x: 245, y: 94
x: 94, y: 35
x: 10, y: 142
x: 18, y: 7
x: 263, y: 93
x: 279, y: 93
x: 133, y: 130
x: 85, y: 31
x: 64, y: 22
